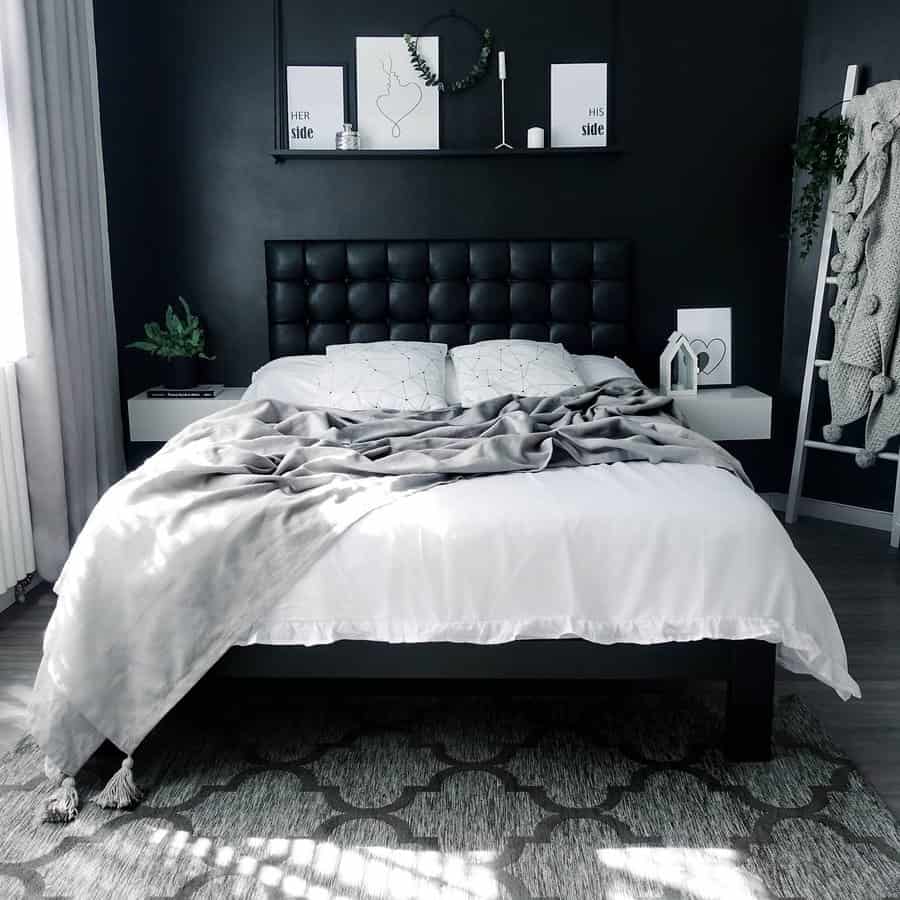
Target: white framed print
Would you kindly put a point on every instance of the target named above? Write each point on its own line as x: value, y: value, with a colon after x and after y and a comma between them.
x: 578, y: 107
x: 315, y: 106
x: 709, y: 331
x: 395, y: 109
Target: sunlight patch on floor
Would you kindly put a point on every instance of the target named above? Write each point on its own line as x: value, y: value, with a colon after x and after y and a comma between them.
x: 708, y: 872
x: 321, y: 870
x: 310, y: 869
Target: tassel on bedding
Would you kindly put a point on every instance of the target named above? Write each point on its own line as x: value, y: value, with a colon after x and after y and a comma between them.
x: 62, y: 805
x: 120, y: 792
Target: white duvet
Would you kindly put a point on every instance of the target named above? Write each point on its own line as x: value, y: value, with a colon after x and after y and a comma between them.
x: 616, y: 552
x: 628, y: 552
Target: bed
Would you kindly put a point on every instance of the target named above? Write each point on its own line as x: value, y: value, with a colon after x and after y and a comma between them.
x: 645, y: 569
x: 579, y: 293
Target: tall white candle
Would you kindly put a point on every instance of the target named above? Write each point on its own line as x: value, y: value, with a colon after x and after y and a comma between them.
x: 501, y: 63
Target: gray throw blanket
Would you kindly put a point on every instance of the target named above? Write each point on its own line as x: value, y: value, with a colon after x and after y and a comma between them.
x: 183, y: 555
x: 865, y: 363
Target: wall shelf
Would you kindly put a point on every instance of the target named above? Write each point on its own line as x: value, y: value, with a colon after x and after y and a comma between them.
x: 281, y: 156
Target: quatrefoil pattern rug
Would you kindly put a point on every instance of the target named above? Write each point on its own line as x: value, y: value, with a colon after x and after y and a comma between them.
x: 267, y: 793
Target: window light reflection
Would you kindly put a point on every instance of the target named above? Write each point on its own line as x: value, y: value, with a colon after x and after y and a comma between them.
x: 710, y: 873
x: 322, y: 870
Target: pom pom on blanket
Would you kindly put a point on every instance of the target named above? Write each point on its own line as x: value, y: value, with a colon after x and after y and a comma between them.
x: 62, y: 805
x: 823, y: 373
x: 881, y: 384
x: 870, y: 304
x: 120, y: 792
x: 832, y: 433
x: 865, y: 459
x: 847, y: 280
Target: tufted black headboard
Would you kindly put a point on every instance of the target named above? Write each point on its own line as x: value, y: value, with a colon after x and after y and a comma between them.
x: 576, y: 292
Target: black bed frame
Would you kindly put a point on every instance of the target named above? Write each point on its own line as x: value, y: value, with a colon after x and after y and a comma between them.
x: 576, y: 292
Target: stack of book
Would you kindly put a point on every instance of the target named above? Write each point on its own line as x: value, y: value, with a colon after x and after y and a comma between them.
x: 204, y: 391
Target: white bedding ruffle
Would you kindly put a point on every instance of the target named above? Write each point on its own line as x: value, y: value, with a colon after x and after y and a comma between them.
x: 629, y: 552
x: 797, y: 651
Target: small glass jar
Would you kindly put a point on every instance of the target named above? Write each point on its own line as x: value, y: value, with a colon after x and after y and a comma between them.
x: 346, y: 138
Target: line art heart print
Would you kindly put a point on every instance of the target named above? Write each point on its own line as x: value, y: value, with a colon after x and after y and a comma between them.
x: 400, y: 99
x: 395, y: 109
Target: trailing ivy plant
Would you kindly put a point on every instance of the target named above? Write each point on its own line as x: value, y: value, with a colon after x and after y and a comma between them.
x: 820, y: 152
x: 180, y: 338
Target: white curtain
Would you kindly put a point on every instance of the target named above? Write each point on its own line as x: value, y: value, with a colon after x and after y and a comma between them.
x: 68, y: 382
x: 12, y: 325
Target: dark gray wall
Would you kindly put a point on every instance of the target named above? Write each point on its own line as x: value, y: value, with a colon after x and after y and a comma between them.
x: 866, y: 32
x: 704, y: 103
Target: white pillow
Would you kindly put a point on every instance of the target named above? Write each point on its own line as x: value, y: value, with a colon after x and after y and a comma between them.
x: 530, y: 368
x: 405, y: 375
x: 299, y: 379
x: 593, y: 369
x: 293, y: 379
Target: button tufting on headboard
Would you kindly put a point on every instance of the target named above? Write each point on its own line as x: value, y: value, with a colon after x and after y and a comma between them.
x: 576, y: 292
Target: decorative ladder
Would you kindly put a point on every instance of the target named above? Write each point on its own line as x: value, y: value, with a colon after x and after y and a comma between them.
x: 803, y: 442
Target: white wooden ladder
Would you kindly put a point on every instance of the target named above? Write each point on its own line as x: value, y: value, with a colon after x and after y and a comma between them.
x: 803, y: 442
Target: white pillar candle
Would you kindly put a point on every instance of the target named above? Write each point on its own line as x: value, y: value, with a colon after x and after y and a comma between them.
x: 501, y: 64
x: 535, y: 138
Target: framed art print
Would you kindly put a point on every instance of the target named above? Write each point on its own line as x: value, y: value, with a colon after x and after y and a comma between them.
x: 709, y: 331
x: 315, y: 106
x: 578, y: 107
x: 396, y: 110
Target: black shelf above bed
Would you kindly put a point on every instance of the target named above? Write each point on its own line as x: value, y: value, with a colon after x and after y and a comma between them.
x: 283, y: 155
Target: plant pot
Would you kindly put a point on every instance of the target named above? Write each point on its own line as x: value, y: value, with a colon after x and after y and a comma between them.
x: 181, y: 373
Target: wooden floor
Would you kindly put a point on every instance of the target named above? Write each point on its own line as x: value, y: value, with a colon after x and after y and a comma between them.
x: 857, y: 568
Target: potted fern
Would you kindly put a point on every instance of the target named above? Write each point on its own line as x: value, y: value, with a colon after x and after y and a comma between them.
x: 181, y: 344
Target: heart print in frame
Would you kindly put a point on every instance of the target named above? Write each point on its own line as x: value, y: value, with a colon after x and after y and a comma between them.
x: 395, y: 109
x: 709, y: 331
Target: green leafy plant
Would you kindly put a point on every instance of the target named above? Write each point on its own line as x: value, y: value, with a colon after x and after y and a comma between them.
x: 820, y: 152
x: 180, y: 337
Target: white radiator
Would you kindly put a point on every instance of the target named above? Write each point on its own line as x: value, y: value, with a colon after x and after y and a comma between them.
x: 16, y: 547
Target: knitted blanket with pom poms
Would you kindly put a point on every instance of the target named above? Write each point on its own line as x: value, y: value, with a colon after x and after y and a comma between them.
x: 865, y: 364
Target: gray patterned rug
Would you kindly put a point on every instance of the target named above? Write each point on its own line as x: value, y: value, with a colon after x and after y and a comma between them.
x: 617, y: 796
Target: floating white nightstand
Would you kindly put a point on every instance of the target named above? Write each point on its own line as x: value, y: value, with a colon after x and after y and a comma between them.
x: 728, y: 414
x: 159, y: 418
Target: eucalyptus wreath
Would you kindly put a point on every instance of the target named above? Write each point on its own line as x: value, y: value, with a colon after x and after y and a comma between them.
x: 475, y: 74
x: 821, y: 152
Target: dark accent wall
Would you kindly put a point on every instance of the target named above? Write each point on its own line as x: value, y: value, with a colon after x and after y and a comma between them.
x: 128, y: 68
x: 867, y: 33
x: 704, y: 103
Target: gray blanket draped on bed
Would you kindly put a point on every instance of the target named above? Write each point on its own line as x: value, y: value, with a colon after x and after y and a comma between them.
x: 183, y: 555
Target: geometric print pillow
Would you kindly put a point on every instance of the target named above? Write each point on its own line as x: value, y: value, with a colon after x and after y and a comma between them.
x: 528, y: 368
x: 404, y: 375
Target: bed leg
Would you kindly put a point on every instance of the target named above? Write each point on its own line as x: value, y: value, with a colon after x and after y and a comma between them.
x: 751, y: 694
